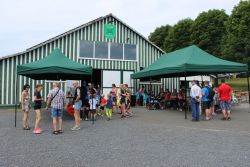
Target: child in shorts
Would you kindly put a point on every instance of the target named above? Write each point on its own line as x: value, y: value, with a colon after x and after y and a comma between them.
x: 103, y: 102
x: 92, y: 104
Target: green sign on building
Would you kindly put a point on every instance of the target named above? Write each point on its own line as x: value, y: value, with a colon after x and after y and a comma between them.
x: 109, y: 31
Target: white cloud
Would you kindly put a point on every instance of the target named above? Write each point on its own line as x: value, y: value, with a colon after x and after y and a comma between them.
x: 25, y: 23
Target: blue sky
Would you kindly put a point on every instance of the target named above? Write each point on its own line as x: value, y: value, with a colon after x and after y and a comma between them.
x: 25, y: 23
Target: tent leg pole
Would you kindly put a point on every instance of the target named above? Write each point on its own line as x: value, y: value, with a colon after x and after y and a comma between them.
x: 248, y: 87
x: 186, y: 96
x: 150, y: 89
x: 16, y: 98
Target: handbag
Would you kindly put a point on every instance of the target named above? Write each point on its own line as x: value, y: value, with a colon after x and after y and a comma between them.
x: 49, y: 103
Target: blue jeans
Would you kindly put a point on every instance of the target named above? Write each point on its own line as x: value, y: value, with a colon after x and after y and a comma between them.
x: 56, y: 113
x: 195, y: 107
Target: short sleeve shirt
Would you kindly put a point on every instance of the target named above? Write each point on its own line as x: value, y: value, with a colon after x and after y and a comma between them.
x: 224, y: 92
x: 92, y: 103
x: 38, y: 96
x: 103, y: 101
x: 109, y: 104
x: 205, y: 94
x: 58, y: 101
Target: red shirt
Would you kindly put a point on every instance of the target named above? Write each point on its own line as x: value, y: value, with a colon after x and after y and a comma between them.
x: 103, y: 102
x: 224, y: 92
x: 167, y: 96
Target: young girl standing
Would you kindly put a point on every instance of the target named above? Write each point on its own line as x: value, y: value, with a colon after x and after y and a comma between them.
x: 26, y: 105
x: 37, y: 107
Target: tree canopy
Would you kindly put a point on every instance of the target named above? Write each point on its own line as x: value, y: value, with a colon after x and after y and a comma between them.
x: 158, y: 36
x: 208, y: 30
x: 179, y: 35
x: 214, y: 31
x: 236, y: 41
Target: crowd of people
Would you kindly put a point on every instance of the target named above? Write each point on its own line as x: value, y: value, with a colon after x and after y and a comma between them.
x: 202, y: 98
x: 86, y: 101
x: 163, y: 100
x: 205, y: 98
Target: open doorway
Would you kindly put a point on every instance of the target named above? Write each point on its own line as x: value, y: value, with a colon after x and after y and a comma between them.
x: 97, y: 77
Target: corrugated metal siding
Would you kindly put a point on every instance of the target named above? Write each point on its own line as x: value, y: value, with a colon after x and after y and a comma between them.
x: 69, y: 45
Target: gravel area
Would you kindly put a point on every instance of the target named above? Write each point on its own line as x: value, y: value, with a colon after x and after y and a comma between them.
x: 149, y: 139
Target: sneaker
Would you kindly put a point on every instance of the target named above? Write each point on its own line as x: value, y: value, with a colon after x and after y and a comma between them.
x: 86, y: 119
x: 36, y: 131
x: 229, y: 119
x: 214, y: 114
x: 40, y: 129
x: 207, y: 119
x: 75, y: 128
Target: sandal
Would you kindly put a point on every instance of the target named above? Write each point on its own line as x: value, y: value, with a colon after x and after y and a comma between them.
x: 55, y: 132
x: 59, y: 131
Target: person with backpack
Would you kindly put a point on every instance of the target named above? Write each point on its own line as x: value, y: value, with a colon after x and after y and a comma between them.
x: 77, y: 105
x: 207, y: 98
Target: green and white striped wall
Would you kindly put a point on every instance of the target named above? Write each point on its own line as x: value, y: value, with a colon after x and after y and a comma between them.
x: 68, y: 42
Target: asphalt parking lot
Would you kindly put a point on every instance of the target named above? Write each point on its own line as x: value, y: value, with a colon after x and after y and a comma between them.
x: 150, y: 138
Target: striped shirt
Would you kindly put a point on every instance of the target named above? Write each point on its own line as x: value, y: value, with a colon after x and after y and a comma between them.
x: 58, y: 100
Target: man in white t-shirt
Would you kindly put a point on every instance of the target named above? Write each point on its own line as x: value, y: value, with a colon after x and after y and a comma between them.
x: 196, y: 95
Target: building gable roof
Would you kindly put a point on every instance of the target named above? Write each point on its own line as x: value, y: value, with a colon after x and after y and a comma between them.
x: 78, y: 28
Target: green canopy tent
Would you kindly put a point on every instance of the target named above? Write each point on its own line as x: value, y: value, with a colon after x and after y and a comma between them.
x: 55, y: 66
x: 189, y: 61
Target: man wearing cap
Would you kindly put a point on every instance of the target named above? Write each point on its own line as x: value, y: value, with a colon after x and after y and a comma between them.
x: 196, y: 95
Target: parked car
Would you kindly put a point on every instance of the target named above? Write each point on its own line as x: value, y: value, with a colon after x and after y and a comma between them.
x: 241, y: 75
x: 227, y: 76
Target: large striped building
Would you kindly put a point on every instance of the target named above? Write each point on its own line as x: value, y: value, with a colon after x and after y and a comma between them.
x: 113, y: 60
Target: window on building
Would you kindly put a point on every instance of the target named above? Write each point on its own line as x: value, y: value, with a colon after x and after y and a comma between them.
x: 104, y: 50
x: 116, y: 51
x: 111, y: 77
x: 101, y: 50
x: 129, y: 52
x: 86, y: 49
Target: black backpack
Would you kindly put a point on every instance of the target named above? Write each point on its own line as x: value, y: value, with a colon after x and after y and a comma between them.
x: 84, y: 93
x: 211, y: 94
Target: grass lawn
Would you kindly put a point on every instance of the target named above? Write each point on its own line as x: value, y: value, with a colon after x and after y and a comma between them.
x: 238, y: 83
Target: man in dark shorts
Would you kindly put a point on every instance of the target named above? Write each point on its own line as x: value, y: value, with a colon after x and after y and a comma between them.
x: 206, y: 103
x: 225, y: 96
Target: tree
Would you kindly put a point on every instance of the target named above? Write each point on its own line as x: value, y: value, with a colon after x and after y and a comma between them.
x: 179, y: 36
x: 158, y: 36
x: 236, y: 44
x: 208, y: 30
